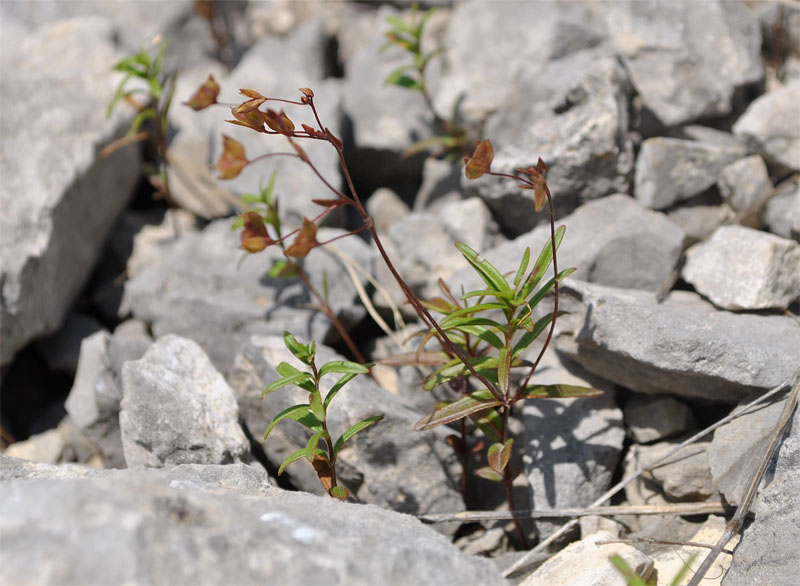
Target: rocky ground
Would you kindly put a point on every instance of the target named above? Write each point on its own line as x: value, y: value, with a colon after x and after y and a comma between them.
x: 136, y: 342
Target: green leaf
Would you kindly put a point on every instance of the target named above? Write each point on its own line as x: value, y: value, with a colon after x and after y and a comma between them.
x: 502, y: 369
x: 338, y: 387
x: 405, y: 81
x: 539, y: 295
x: 458, y: 322
x: 472, y: 403
x: 523, y: 265
x: 156, y: 89
x: 283, y: 269
x: 500, y: 295
x: 484, y: 334
x: 529, y: 336
x: 489, y: 422
x: 139, y: 119
x: 343, y: 367
x: 300, y: 413
x: 339, y: 492
x: 542, y: 263
x: 311, y: 446
x: 316, y: 406
x: 489, y: 474
x: 396, y: 73
x: 472, y: 309
x: 430, y: 56
x: 401, y: 25
x: 455, y: 368
x: 486, y: 270
x: 557, y: 392
x: 423, y: 20
x: 358, y: 427
x: 293, y: 457
x: 300, y: 379
x: 426, y: 144
x: 120, y: 93
x: 303, y: 353
x: 499, y: 455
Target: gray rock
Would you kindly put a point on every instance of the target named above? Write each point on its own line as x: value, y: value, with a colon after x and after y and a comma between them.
x: 745, y: 184
x: 441, y: 183
x: 585, y: 563
x: 768, y: 553
x: 386, y: 208
x: 94, y: 400
x: 700, y: 217
x: 569, y: 469
x: 388, y: 464
x: 675, y: 52
x: 782, y: 213
x: 481, y: 80
x: 686, y: 349
x: 613, y: 241
x: 770, y: 126
x: 59, y: 199
x: 201, y: 289
x: 212, y: 525
x: 742, y: 268
x: 685, y: 476
x: 671, y: 170
x: 46, y: 447
x: 62, y: 350
x: 572, y: 112
x: 277, y: 68
x: 177, y: 409
x: 651, y: 419
x: 469, y: 221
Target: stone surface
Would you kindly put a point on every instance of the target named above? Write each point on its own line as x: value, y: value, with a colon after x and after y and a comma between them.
x: 675, y: 52
x: 672, y: 560
x: 768, y: 553
x: 670, y: 170
x: 686, y: 349
x: 201, y: 289
x: 585, y: 563
x: 212, y: 525
x: 782, y: 213
x: 571, y: 112
x: 61, y: 351
x: 59, y: 199
x: 388, y: 464
x: 386, y: 208
x: 685, y: 476
x: 653, y: 418
x: 745, y: 184
x: 611, y: 241
x: 742, y: 268
x: 177, y: 409
x: 770, y: 126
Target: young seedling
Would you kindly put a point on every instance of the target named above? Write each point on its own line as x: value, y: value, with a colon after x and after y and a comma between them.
x: 313, y: 414
x: 450, y: 137
x: 152, y: 109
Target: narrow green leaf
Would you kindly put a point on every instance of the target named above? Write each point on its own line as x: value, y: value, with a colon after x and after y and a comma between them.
x: 358, y: 427
x: 423, y: 20
x: 120, y: 93
x: 458, y: 322
x: 140, y: 118
x: 311, y: 446
x: 283, y: 269
x: 429, y: 56
x: 499, y: 455
x: 539, y: 295
x: 295, y: 379
x: 293, y: 457
x: 523, y: 266
x: 303, y: 353
x: 484, y: 334
x: 472, y: 403
x: 502, y: 369
x: 405, y: 81
x: 486, y: 270
x: 343, y: 367
x: 472, y: 309
x: 156, y: 89
x: 499, y: 295
x: 396, y: 74
x: 489, y: 422
x: 338, y: 387
x: 455, y: 368
x: 542, y: 263
x: 301, y: 413
x: 557, y: 392
x: 316, y: 406
x: 401, y: 25
x: 529, y: 336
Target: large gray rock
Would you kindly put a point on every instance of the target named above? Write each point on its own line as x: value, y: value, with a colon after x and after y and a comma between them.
x: 671, y: 170
x: 745, y: 184
x: 59, y: 199
x: 768, y: 552
x: 742, y: 268
x: 388, y: 464
x: 687, y: 348
x: 770, y: 126
x: 652, y: 418
x: 572, y: 112
x: 210, y: 525
x: 177, y: 409
x: 612, y: 241
x: 675, y: 52
x: 201, y: 289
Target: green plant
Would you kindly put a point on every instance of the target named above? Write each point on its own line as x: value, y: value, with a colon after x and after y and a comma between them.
x: 313, y: 414
x: 449, y: 137
x: 488, y: 362
x: 152, y: 111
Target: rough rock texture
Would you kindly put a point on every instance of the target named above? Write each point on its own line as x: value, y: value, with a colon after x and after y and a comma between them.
x: 571, y: 112
x: 585, y: 563
x: 670, y: 170
x: 742, y: 268
x: 771, y: 128
x: 782, y: 214
x: 653, y: 418
x: 686, y: 349
x: 201, y: 290
x: 685, y: 476
x: 388, y: 464
x: 675, y: 52
x: 211, y: 525
x: 54, y: 223
x: 177, y: 409
x: 744, y: 184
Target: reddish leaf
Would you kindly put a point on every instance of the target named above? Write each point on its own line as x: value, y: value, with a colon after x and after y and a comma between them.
x: 472, y: 403
x: 307, y: 92
x: 313, y: 131
x: 279, y: 122
x: 232, y: 160
x: 305, y: 241
x: 299, y: 150
x: 250, y: 105
x: 323, y: 468
x: 332, y: 137
x: 205, y: 95
x: 489, y: 474
x: 251, y: 119
x: 499, y: 455
x: 327, y: 203
x: 251, y: 94
x: 254, y: 236
x: 481, y: 160
x: 537, y: 177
